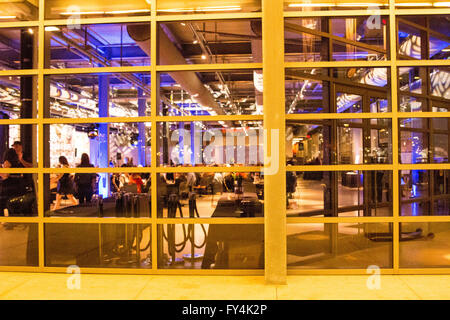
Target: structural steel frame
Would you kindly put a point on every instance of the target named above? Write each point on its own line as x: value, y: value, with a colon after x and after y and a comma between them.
x: 274, y: 118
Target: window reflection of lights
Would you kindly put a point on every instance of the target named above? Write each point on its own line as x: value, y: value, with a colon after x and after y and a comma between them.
x: 307, y: 5
x: 203, y: 9
x: 128, y: 11
x: 412, y: 4
x: 51, y: 28
x: 81, y: 13
x: 361, y: 4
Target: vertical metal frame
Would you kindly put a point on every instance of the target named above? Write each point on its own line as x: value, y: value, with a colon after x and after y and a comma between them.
x: 274, y: 119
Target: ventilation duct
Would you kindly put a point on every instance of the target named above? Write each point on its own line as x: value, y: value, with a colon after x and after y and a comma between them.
x: 170, y: 55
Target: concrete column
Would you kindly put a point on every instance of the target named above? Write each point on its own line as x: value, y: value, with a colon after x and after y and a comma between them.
x: 274, y: 123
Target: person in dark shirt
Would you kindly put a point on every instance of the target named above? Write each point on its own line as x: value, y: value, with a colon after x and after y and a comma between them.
x: 85, y: 181
x: 13, y: 184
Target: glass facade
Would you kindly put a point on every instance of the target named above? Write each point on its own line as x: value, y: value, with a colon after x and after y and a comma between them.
x: 197, y: 137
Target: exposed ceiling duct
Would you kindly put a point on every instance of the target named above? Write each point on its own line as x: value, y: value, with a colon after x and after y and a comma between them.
x: 170, y: 55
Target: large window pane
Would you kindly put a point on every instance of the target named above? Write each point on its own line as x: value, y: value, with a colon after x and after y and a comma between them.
x: 358, y: 141
x: 425, y: 193
x: 99, y: 95
x: 210, y: 41
x: 355, y: 90
x: 105, y: 144
x: 18, y: 148
x: 21, y: 10
x: 73, y: 10
x: 343, y: 193
x: 428, y: 245
x: 19, y: 244
x: 18, y: 48
x: 18, y: 97
x: 319, y: 5
x: 415, y: 143
x: 423, y: 37
x: 336, y: 39
x: 210, y: 195
x: 98, y: 45
x: 214, y: 246
x: 98, y: 195
x: 101, y: 246
x: 212, y: 143
x: 204, y: 6
x: 18, y: 195
x: 339, y: 246
x: 185, y: 93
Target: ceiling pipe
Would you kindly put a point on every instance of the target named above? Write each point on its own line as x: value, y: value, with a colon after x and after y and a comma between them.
x: 256, y: 44
x: 170, y: 55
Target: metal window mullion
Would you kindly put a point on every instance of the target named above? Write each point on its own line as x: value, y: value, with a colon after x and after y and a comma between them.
x: 395, y: 137
x: 154, y: 138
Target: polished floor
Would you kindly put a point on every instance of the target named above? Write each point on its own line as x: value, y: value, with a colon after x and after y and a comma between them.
x: 26, y: 286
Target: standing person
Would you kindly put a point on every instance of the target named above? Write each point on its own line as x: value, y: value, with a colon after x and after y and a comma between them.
x: 85, y: 181
x: 65, y: 185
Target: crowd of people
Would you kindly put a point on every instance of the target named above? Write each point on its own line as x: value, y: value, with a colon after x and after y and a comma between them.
x: 79, y: 188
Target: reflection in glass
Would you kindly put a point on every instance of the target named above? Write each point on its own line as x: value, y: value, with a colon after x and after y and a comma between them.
x: 203, y: 6
x: 413, y: 147
x: 20, y: 138
x: 18, y: 244
x: 71, y: 9
x: 98, y: 195
x: 185, y: 93
x: 439, y: 86
x: 210, y: 143
x: 106, y: 144
x: 99, y: 95
x: 210, y: 41
x: 210, y: 195
x: 320, y: 5
x: 343, y: 245
x: 428, y: 246
x: 358, y: 141
x: 102, y: 245
x: 17, y: 46
x: 420, y: 188
x: 97, y: 45
x: 355, y: 89
x: 309, y: 39
x: 18, y: 97
x: 214, y: 246
x: 331, y: 194
x: 416, y: 145
x: 413, y: 32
